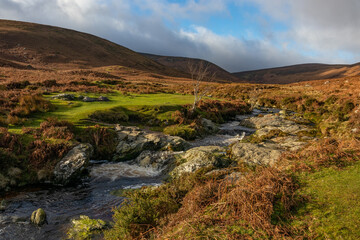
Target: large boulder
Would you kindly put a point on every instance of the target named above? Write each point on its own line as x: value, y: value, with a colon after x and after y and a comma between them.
x: 133, y: 141
x: 72, y: 165
x: 200, y: 157
x: 252, y: 153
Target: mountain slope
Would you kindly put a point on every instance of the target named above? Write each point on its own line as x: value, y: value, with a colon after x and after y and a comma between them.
x: 299, y: 73
x: 53, y: 47
x: 181, y: 64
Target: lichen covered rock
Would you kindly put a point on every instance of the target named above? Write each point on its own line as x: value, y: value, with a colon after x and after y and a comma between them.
x: 73, y: 164
x: 200, y: 157
x: 133, y: 141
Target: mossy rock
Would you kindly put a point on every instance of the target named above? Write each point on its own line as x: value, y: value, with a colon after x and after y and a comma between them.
x: 85, y: 228
x: 38, y: 217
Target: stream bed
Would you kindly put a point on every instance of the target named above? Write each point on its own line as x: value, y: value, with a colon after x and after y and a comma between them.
x: 92, y: 196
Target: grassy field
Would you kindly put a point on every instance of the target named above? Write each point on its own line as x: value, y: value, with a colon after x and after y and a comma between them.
x: 76, y: 111
x: 333, y: 211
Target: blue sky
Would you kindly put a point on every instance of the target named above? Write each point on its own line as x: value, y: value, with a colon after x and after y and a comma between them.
x: 235, y: 34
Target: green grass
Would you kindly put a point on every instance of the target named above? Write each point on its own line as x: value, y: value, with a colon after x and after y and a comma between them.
x: 76, y: 111
x: 333, y: 211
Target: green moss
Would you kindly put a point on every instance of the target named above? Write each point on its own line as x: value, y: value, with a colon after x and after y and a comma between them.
x: 333, y: 211
x: 184, y: 131
x: 85, y: 228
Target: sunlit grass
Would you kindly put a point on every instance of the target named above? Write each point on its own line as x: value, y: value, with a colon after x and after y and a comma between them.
x: 333, y: 211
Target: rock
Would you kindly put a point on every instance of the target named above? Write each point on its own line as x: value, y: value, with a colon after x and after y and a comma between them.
x: 251, y: 153
x: 271, y: 122
x: 209, y: 126
x: 38, y: 217
x: 103, y: 99
x: 200, y: 157
x: 158, y: 160
x: 85, y: 228
x: 88, y: 99
x: 133, y: 141
x: 65, y: 96
x: 72, y: 165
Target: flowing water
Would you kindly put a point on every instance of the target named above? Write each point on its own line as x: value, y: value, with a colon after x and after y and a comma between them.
x: 92, y: 196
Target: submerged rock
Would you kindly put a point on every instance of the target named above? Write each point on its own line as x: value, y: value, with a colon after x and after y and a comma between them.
x: 72, y: 165
x: 133, y: 141
x: 38, y: 217
x: 200, y: 157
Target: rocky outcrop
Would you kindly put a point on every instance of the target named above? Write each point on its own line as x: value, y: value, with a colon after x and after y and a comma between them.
x: 251, y: 153
x: 272, y: 121
x: 200, y: 157
x: 72, y: 165
x: 38, y: 217
x: 276, y: 135
x: 133, y: 141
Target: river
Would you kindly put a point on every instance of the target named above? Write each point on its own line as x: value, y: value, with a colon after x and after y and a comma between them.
x: 92, y: 196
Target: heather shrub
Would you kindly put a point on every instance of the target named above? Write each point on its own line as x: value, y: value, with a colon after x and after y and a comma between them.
x: 53, y: 128
x: 31, y: 104
x: 104, y: 141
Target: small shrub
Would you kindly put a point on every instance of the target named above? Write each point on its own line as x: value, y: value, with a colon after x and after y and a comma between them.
x: 53, y: 128
x: 42, y: 153
x: 104, y: 141
x: 31, y: 104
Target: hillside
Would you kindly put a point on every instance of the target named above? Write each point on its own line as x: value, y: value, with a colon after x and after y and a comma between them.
x: 299, y: 73
x: 43, y: 46
x: 181, y: 64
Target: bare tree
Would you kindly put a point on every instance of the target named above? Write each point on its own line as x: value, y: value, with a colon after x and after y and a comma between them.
x: 200, y: 76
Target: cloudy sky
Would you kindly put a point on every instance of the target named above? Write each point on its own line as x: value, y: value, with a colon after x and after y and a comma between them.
x: 235, y: 34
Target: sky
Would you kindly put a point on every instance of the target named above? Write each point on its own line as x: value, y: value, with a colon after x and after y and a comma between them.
x: 237, y: 35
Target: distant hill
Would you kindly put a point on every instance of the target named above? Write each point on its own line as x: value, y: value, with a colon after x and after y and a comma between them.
x: 23, y: 44
x: 181, y: 64
x: 299, y: 73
